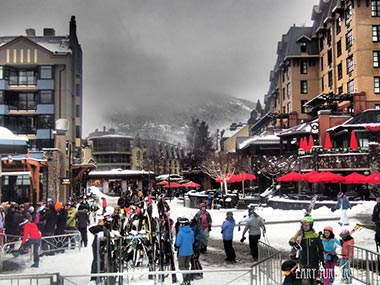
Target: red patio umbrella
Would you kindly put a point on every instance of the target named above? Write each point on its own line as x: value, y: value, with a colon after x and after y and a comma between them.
x: 172, y: 185
x: 326, y: 177
x: 306, y: 176
x: 230, y: 178
x: 247, y: 176
x: 353, y: 141
x: 373, y: 178
x: 355, y: 178
x: 303, y: 143
x: 328, y: 144
x: 162, y: 182
x: 311, y: 143
x: 291, y: 177
x: 190, y: 184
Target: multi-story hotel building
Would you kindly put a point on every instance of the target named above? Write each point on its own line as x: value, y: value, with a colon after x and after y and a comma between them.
x: 41, y: 84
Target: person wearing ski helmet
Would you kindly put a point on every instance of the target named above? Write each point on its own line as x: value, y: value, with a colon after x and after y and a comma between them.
x: 310, y: 250
x: 289, y: 268
x: 184, y: 243
x: 330, y: 245
x: 347, y: 241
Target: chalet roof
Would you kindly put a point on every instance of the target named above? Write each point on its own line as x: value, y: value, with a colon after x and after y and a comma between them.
x: 263, y: 139
x: 369, y: 117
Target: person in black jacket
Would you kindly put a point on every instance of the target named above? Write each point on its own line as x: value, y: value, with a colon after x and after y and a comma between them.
x: 50, y: 222
x: 376, y: 220
x: 82, y: 221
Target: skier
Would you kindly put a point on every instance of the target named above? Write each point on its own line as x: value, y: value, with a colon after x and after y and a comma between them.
x: 330, y: 245
x: 184, y: 243
x: 228, y: 227
x: 254, y: 225
x: 343, y: 204
x: 310, y: 249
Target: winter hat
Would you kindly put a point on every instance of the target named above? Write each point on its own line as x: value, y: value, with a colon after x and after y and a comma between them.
x: 58, y: 206
x: 329, y: 228
x: 183, y: 221
x: 229, y: 214
x: 308, y: 220
x: 289, y: 266
x: 31, y: 209
x: 344, y: 233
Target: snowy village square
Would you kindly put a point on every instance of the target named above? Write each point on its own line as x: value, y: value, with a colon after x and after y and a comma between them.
x: 190, y: 142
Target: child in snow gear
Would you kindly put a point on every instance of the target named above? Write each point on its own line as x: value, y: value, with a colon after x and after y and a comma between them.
x: 330, y: 245
x: 289, y: 268
x: 347, y: 241
x: 311, y: 251
x: 184, y: 242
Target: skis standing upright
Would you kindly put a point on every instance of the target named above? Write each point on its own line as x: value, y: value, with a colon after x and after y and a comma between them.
x: 310, y: 208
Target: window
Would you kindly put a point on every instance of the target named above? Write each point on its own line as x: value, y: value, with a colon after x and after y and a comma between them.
x: 283, y: 93
x: 303, y: 109
x: 375, y: 33
x: 1, y: 72
x: 329, y: 57
x: 339, y: 48
x: 376, y: 85
x: 377, y: 106
x: 77, y: 89
x: 340, y: 71
x: 23, y: 101
x: 329, y: 36
x: 45, y: 121
x: 375, y: 58
x: 321, y: 63
x: 320, y: 43
x: 350, y: 86
x: 46, y: 72
x: 348, y: 15
x: 375, y: 8
x: 330, y: 78
x: 349, y: 39
x: 77, y: 111
x: 304, y: 87
x: 340, y: 90
x: 288, y: 108
x: 288, y: 90
x: 46, y: 97
x: 78, y: 132
x: 303, y: 67
x: 338, y: 25
x: 26, y: 77
x: 323, y: 83
x: 350, y: 64
x: 303, y: 46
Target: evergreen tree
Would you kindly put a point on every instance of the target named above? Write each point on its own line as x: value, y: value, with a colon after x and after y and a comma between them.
x: 199, y: 142
x: 259, y: 109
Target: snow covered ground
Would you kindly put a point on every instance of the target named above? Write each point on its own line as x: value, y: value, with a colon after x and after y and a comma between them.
x: 79, y: 263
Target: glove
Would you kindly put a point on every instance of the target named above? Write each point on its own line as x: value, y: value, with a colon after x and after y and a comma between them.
x: 333, y: 209
x: 243, y: 239
x: 209, y: 228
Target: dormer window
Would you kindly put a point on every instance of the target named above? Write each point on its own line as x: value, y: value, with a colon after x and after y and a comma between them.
x: 303, y: 46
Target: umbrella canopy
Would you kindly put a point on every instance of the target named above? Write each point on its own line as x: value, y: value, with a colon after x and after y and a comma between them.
x: 303, y: 143
x: 162, y: 182
x: 326, y: 177
x: 291, y: 177
x: 328, y: 144
x: 353, y: 141
x: 373, y: 178
x: 311, y: 143
x: 247, y: 176
x: 172, y: 185
x: 190, y: 184
x: 306, y: 176
x: 355, y: 178
x: 230, y: 178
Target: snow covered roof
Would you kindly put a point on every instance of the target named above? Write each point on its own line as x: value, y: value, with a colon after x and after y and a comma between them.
x: 119, y: 172
x: 7, y: 137
x: 54, y: 44
x: 110, y: 136
x: 262, y: 139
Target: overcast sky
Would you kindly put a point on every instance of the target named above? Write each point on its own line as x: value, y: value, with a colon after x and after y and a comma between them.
x: 140, y: 52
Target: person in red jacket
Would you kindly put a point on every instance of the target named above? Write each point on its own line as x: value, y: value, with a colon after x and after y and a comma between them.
x: 32, y: 236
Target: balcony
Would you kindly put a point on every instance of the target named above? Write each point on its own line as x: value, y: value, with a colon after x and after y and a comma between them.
x: 338, y: 162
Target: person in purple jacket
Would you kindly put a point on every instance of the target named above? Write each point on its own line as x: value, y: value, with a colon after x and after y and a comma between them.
x: 184, y: 243
x: 228, y: 227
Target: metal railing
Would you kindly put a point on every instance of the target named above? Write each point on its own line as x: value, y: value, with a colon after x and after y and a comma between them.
x: 30, y: 279
x: 364, y: 265
x: 49, y: 245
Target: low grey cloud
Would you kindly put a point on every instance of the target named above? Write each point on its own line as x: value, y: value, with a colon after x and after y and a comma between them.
x: 140, y: 53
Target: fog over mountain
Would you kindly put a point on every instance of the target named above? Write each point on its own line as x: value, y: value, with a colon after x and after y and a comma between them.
x: 168, y: 119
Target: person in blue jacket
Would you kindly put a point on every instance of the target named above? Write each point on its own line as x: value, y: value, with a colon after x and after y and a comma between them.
x: 228, y: 227
x: 343, y: 204
x: 184, y: 243
x: 330, y: 245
